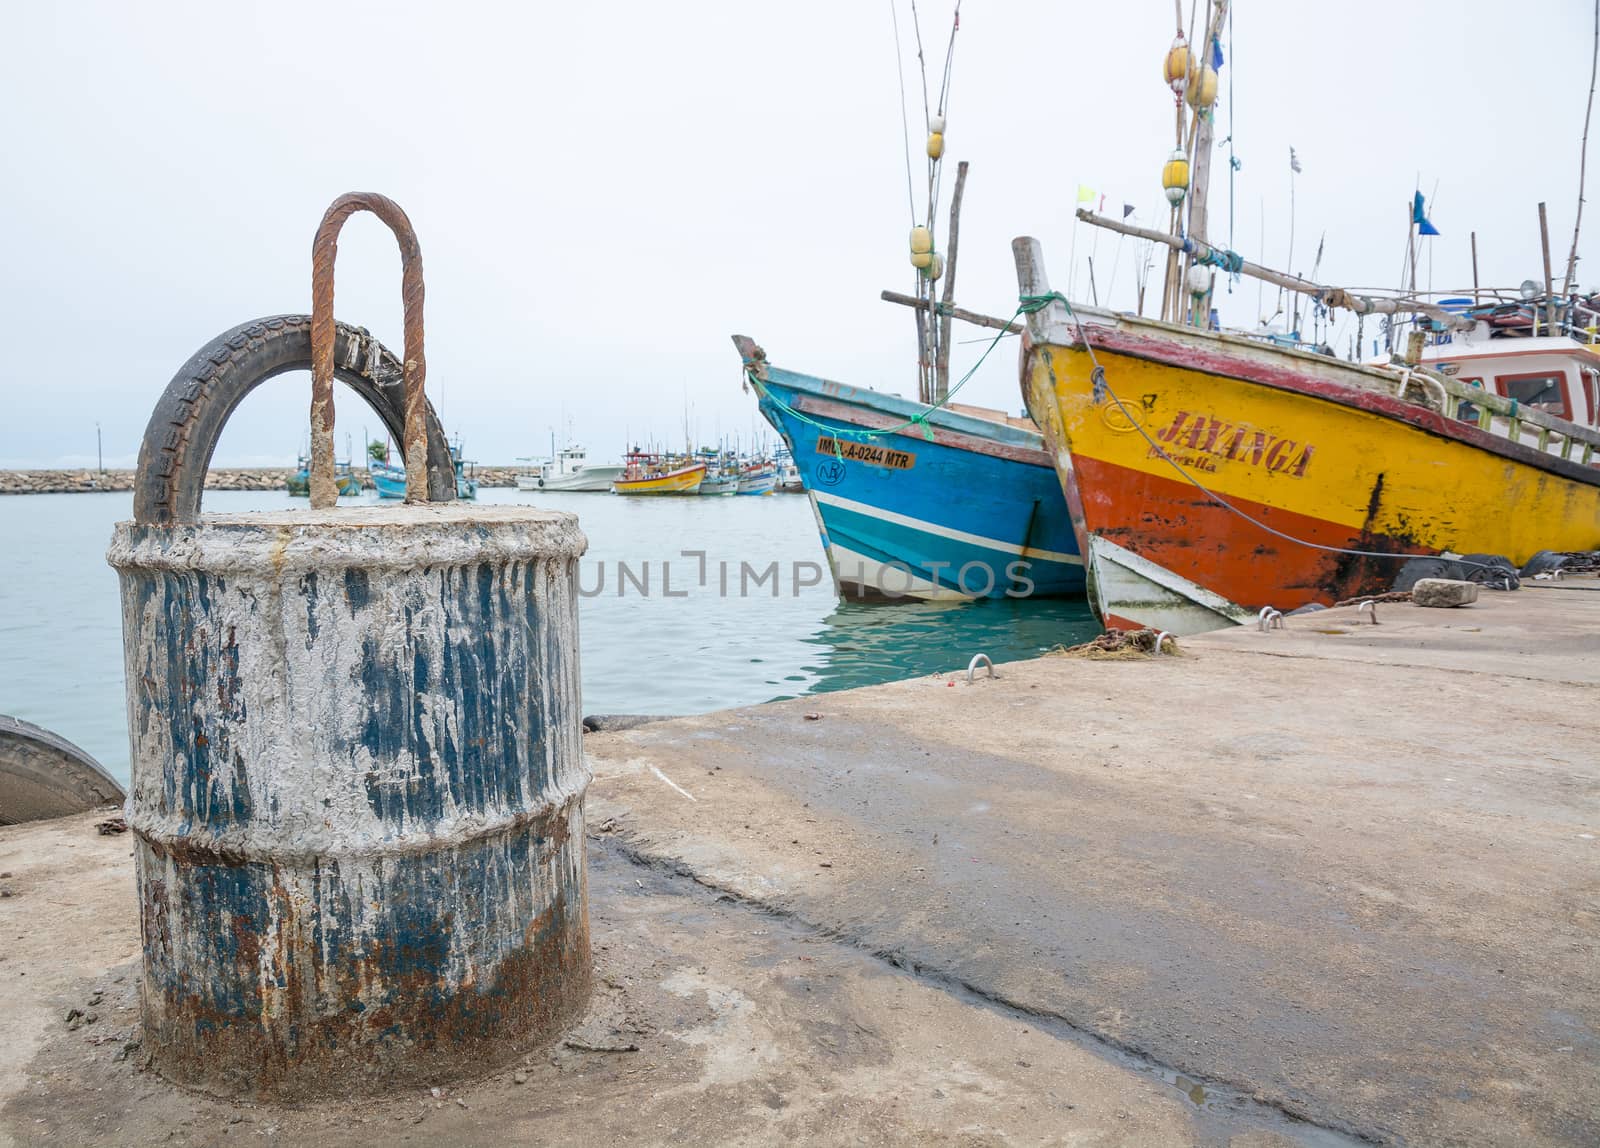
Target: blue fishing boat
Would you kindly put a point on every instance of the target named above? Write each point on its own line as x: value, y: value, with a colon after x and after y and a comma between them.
x: 758, y: 476
x: 345, y: 478
x: 388, y: 479
x: 968, y: 508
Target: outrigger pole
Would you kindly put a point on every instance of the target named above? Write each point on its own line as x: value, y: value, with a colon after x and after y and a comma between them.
x: 1202, y: 252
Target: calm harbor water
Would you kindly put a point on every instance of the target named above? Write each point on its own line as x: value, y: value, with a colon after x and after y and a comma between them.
x: 701, y: 648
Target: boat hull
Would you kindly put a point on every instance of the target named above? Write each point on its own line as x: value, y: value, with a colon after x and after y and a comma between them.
x: 590, y: 478
x: 974, y: 511
x: 1301, y: 449
x: 299, y: 484
x: 719, y: 487
x: 685, y: 481
x: 759, y: 484
x: 388, y: 481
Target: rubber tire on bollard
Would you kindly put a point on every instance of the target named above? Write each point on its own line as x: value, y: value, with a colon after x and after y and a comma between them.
x: 188, y: 421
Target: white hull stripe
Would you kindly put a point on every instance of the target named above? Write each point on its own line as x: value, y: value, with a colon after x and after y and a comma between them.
x: 944, y: 531
x: 859, y: 570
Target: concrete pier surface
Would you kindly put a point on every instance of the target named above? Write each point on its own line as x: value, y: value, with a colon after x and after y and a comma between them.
x: 1322, y: 885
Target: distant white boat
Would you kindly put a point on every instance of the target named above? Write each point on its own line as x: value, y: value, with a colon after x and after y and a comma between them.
x: 569, y: 470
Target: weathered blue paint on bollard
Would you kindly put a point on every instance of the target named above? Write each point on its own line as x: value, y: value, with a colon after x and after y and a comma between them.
x: 358, y: 791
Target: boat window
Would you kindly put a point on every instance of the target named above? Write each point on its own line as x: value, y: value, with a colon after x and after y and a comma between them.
x: 1468, y: 412
x: 1545, y: 391
x: 1591, y: 392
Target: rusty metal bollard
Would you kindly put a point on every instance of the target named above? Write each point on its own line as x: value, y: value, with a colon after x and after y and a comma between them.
x: 357, y: 772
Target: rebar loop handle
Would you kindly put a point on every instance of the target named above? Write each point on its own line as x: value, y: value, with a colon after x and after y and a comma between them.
x: 324, y: 250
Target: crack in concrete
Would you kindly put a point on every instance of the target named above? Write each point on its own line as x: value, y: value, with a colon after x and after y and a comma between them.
x: 1235, y: 1104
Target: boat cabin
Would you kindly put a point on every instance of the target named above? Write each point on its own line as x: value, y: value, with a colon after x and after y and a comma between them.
x: 569, y: 460
x: 1556, y: 374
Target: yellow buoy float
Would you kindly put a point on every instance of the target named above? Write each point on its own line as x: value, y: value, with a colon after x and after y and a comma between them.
x: 935, y: 136
x: 1175, y: 177
x: 935, y: 267
x: 921, y: 247
x: 1176, y: 69
x: 1202, y: 90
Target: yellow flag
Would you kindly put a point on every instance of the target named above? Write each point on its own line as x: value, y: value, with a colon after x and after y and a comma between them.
x: 1085, y: 194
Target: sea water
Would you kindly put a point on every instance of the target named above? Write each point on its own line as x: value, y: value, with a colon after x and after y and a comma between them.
x: 689, y: 604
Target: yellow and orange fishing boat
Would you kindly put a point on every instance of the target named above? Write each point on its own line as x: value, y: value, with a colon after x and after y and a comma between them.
x: 646, y: 473
x: 1210, y: 475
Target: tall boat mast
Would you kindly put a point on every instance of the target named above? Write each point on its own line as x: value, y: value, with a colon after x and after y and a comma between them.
x: 1189, y: 73
x: 1204, y: 133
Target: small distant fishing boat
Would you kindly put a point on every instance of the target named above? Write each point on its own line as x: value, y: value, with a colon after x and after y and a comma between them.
x: 388, y: 479
x: 758, y: 477
x: 466, y: 474
x: 969, y: 509
x: 788, y: 475
x: 567, y: 470
x: 572, y: 471
x: 647, y: 473
x: 298, y: 484
x: 722, y: 472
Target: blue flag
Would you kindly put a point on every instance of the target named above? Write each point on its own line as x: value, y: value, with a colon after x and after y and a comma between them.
x: 1420, y: 217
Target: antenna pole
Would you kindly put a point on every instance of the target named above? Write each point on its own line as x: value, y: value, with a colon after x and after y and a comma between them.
x: 1583, y: 153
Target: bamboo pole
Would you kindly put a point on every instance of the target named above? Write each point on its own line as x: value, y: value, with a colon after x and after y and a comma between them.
x: 1583, y: 153
x: 942, y: 363
x: 1549, y: 286
x: 1329, y: 296
x: 973, y: 317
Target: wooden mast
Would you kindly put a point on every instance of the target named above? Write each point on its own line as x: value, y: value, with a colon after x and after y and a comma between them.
x: 941, y: 388
x: 1199, y: 183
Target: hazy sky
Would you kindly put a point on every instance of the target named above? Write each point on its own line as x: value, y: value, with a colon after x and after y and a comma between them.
x: 604, y: 193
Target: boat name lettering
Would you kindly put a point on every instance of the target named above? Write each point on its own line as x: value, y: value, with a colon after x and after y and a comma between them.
x: 1205, y: 435
x: 867, y: 453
